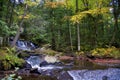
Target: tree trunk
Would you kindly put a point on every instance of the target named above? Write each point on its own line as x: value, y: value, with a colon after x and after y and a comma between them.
x: 78, y: 36
x: 19, y: 29
x: 70, y: 35
x: 78, y: 29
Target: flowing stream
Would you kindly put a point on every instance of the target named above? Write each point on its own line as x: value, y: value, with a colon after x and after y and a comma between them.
x: 70, y: 70
x: 36, y: 61
x: 81, y: 70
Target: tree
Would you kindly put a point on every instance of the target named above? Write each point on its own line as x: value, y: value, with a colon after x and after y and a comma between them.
x: 20, y: 28
x: 116, y: 12
x: 24, y: 15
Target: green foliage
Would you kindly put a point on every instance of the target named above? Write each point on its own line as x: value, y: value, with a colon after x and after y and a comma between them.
x: 7, y: 31
x: 58, y: 19
x: 49, y: 52
x: 81, y: 53
x: 9, y: 60
x: 13, y: 29
x: 111, y: 52
x: 4, y: 30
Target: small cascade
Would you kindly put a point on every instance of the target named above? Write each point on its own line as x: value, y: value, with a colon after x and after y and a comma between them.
x: 107, y: 74
x: 36, y: 61
x: 25, y: 45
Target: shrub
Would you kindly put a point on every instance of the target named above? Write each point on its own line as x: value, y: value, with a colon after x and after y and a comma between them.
x: 9, y: 60
x: 110, y: 52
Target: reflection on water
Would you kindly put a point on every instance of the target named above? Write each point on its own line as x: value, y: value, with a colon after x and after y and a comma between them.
x: 79, y: 65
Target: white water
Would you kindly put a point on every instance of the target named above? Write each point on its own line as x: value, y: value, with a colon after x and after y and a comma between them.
x: 49, y: 67
x: 108, y: 74
x: 35, y: 62
x: 25, y: 45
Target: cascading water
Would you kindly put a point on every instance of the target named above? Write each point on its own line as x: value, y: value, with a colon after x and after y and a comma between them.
x: 36, y: 61
x: 25, y: 45
x: 94, y: 73
x: 107, y: 74
x: 45, y: 65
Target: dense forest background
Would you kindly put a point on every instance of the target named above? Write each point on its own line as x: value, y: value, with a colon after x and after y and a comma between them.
x: 67, y: 25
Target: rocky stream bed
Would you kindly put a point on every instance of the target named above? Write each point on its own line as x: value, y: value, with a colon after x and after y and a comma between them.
x: 44, y: 67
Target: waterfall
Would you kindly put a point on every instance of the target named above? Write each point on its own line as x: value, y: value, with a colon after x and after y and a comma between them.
x: 25, y: 45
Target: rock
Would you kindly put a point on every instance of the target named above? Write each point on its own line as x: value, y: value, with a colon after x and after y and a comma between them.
x: 35, y: 70
x: 44, y: 63
x: 64, y: 76
x: 66, y: 58
x: 38, y: 50
x: 26, y: 65
x: 51, y: 59
x: 104, y: 78
x: 24, y: 71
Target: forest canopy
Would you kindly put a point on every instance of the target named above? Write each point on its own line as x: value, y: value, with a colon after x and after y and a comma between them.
x: 66, y: 25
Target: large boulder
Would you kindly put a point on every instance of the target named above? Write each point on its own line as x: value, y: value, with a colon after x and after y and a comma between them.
x: 51, y: 59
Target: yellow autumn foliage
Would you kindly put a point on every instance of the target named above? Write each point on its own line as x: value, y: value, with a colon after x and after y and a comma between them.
x: 110, y: 52
x: 54, y: 4
x: 32, y: 3
x: 78, y: 17
x: 28, y: 16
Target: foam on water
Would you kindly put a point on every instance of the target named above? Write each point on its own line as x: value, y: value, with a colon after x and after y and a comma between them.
x: 107, y: 74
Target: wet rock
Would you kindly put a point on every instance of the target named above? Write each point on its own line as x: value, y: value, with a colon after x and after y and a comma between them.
x: 34, y: 71
x: 24, y: 71
x: 44, y: 63
x: 26, y: 65
x: 104, y: 78
x: 64, y: 76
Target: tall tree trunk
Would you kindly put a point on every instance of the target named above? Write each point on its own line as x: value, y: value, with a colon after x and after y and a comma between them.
x: 78, y: 29
x: 20, y: 28
x: 70, y: 35
x: 78, y: 36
